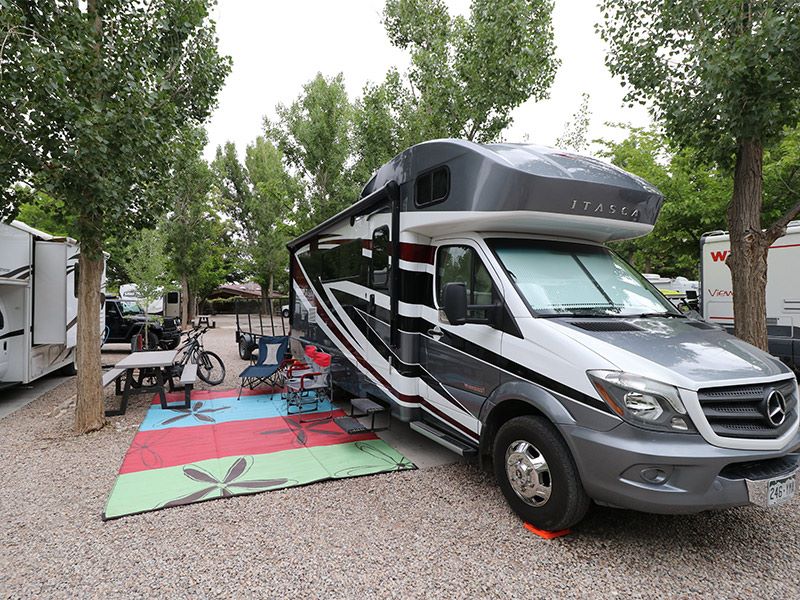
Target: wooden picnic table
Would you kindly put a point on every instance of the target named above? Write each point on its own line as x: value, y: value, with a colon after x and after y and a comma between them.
x: 155, y: 365
x: 205, y: 320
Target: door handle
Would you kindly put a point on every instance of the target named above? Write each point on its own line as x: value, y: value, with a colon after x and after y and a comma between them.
x: 435, y: 332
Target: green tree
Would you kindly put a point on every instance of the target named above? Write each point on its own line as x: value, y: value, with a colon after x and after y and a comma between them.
x: 575, y: 134
x: 723, y: 76
x: 149, y: 269
x: 196, y: 239
x: 91, y: 94
x: 695, y: 196
x: 466, y: 77
x: 468, y: 74
x: 275, y: 193
x: 313, y: 134
x: 263, y: 200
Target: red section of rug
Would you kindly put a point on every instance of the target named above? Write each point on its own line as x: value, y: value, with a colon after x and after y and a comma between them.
x: 183, y: 445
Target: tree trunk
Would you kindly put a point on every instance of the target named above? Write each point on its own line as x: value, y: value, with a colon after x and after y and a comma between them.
x: 749, y: 246
x: 89, y: 411
x: 184, y: 302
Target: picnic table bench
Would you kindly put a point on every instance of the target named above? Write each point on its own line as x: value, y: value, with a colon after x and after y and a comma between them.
x: 153, y: 365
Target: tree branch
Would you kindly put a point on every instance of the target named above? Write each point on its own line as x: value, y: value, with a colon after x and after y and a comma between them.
x: 778, y: 228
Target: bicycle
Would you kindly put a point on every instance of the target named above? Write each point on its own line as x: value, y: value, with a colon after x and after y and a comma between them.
x: 210, y: 367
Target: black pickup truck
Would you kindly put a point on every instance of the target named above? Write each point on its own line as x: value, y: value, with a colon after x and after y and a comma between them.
x: 126, y: 319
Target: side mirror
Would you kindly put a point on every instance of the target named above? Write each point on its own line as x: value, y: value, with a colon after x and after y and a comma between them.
x: 455, y: 303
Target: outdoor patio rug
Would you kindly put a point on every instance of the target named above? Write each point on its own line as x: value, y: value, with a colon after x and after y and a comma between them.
x: 222, y: 447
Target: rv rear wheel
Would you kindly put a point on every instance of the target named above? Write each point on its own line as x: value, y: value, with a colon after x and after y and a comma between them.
x: 537, y: 474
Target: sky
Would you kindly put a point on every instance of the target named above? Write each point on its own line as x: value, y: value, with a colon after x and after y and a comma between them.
x: 276, y: 47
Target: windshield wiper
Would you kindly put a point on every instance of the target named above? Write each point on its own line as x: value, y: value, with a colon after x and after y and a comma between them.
x: 667, y: 315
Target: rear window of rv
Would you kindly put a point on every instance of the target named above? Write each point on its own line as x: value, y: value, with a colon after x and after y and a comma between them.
x: 432, y: 187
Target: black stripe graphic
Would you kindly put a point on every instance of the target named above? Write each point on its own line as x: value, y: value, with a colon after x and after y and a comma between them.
x: 11, y: 274
x: 420, y: 326
x: 11, y: 334
x: 72, y: 323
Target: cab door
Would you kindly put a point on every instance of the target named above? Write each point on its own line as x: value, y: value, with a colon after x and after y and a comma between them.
x: 459, y: 359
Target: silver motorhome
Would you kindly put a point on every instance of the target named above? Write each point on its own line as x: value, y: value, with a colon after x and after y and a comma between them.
x: 38, y: 303
x: 470, y: 289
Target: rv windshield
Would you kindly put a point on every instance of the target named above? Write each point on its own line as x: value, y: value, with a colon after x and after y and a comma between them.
x: 131, y: 308
x: 570, y: 279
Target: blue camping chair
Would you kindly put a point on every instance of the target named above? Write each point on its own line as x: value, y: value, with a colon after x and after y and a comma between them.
x: 268, y: 367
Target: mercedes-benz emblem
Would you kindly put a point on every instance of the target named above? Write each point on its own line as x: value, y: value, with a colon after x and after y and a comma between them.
x: 776, y: 408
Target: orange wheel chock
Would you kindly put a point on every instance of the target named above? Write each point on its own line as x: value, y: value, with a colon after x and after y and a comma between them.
x: 548, y: 535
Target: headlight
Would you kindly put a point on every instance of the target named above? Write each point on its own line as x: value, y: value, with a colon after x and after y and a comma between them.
x: 641, y: 401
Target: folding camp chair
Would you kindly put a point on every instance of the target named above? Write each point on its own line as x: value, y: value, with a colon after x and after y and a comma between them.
x: 308, y: 383
x: 270, y: 364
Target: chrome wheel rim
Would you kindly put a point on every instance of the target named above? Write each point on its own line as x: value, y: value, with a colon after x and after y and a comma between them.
x: 528, y: 473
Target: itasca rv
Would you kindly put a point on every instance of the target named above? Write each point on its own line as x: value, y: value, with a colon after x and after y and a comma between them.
x: 783, y: 290
x: 38, y: 303
x: 470, y: 289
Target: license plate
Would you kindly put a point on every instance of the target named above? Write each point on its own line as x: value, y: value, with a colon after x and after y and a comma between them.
x: 780, y: 490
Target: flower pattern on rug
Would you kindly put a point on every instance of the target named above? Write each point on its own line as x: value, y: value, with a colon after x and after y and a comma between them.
x: 381, y: 459
x: 232, y: 479
x: 197, y: 411
x: 301, y: 428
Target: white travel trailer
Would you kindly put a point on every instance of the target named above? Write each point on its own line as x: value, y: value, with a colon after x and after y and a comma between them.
x: 38, y: 303
x: 169, y: 305
x: 470, y: 290
x: 783, y: 290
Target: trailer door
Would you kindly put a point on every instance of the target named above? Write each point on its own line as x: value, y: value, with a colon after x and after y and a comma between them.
x: 50, y: 293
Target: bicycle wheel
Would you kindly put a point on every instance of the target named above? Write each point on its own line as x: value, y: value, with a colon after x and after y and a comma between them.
x: 210, y: 368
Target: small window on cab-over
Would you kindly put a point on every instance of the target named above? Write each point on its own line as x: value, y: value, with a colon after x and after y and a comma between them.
x: 432, y: 187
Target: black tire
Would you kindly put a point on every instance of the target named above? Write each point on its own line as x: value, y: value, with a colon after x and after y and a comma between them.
x: 246, y: 347
x: 210, y: 368
x: 285, y: 313
x: 567, y: 502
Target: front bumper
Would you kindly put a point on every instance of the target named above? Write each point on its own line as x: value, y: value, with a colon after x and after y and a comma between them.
x: 671, y: 473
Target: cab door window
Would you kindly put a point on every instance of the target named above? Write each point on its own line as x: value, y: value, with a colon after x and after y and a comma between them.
x: 461, y: 264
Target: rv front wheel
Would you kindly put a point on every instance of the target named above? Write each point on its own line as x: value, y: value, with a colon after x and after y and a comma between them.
x: 537, y: 474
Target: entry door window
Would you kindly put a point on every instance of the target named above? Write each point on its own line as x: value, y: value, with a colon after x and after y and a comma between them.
x: 461, y: 264
x: 379, y: 270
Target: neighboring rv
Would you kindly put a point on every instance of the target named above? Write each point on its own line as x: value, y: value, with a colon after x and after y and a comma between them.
x: 168, y: 305
x: 783, y: 290
x: 38, y: 303
x: 469, y: 289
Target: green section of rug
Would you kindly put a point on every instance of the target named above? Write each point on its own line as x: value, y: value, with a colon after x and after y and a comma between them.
x: 153, y: 489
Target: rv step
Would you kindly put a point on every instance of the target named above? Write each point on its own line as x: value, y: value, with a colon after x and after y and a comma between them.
x: 445, y: 439
x: 365, y: 406
x: 350, y: 425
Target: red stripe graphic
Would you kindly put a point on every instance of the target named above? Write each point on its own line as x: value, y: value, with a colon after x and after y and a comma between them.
x: 417, y: 253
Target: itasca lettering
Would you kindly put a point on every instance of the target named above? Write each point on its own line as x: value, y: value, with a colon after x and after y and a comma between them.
x: 598, y: 207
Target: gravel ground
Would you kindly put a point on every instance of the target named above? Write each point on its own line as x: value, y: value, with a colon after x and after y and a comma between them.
x: 440, y: 532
